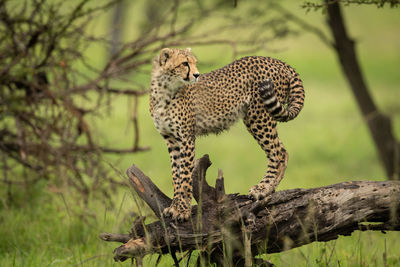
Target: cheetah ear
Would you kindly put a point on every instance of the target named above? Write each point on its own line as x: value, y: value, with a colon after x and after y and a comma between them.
x: 189, y: 50
x: 164, y: 55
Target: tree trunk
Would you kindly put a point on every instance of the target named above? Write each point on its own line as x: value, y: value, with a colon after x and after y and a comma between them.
x: 230, y: 229
x: 379, y: 124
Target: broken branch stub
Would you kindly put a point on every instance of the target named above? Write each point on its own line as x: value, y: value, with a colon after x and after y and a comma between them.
x: 148, y: 191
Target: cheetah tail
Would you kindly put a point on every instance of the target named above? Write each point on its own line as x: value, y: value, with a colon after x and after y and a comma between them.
x: 294, y: 103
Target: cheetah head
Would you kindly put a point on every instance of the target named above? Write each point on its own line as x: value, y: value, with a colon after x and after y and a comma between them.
x: 178, y: 64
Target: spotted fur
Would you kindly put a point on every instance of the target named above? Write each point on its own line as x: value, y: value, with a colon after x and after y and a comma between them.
x: 260, y: 90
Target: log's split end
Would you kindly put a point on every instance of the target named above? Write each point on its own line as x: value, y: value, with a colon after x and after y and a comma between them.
x: 131, y: 249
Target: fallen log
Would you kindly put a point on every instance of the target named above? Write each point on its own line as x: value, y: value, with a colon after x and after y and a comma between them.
x: 230, y: 229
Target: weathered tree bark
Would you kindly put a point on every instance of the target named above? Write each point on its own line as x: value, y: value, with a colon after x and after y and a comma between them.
x: 231, y: 229
x: 379, y: 124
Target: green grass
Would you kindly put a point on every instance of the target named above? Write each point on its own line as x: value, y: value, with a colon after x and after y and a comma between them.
x: 328, y: 143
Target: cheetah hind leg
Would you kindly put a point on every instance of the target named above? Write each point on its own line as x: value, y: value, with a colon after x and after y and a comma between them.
x: 276, y: 153
x: 267, y: 185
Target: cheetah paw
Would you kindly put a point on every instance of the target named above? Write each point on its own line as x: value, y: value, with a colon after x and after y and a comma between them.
x: 260, y: 191
x: 177, y: 212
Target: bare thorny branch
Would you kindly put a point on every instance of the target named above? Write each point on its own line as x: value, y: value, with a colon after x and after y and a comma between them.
x: 43, y: 128
x: 377, y: 3
x: 51, y: 91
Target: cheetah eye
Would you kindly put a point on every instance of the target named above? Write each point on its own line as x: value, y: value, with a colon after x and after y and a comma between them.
x: 186, y: 64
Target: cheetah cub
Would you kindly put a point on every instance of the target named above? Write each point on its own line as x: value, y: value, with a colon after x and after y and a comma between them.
x: 185, y: 104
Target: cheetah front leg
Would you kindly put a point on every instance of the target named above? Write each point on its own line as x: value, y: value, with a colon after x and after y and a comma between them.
x: 182, y: 161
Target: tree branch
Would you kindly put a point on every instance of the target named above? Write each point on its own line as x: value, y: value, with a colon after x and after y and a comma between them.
x: 235, y: 223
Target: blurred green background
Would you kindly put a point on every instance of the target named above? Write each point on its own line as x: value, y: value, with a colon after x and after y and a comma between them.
x: 328, y: 143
